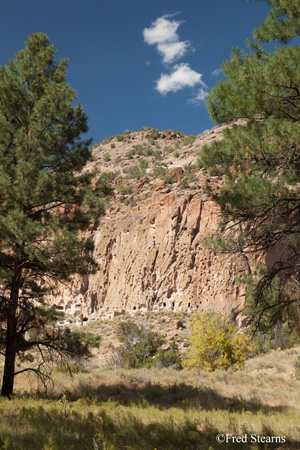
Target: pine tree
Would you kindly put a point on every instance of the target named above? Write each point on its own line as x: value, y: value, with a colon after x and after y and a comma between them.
x: 45, y: 200
x: 260, y: 157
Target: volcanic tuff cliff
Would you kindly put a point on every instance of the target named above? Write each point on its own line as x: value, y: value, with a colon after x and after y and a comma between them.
x: 148, y: 245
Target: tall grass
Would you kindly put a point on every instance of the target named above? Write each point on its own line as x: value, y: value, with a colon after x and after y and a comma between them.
x: 156, y: 409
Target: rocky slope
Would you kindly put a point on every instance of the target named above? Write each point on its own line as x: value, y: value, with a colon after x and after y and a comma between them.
x: 149, y: 244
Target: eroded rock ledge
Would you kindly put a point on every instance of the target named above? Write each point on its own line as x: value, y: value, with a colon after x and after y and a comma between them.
x: 149, y: 250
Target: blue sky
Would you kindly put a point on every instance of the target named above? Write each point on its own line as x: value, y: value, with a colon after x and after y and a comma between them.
x: 136, y: 63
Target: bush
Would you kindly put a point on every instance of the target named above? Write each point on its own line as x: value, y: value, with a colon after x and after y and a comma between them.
x: 138, y: 148
x: 124, y: 190
x: 169, y: 358
x: 157, y: 154
x: 104, y: 183
x: 133, y: 172
x: 153, y: 135
x: 189, y: 139
x: 189, y: 167
x: 168, y: 179
x: 105, y: 141
x: 106, y: 157
x: 70, y: 369
x: 130, y: 202
x: 184, y: 183
x: 158, y: 171
x: 143, y: 165
x: 138, y: 346
x: 216, y: 343
x: 297, y: 368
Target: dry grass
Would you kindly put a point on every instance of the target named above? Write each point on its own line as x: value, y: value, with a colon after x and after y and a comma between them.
x: 155, y: 409
x: 162, y: 409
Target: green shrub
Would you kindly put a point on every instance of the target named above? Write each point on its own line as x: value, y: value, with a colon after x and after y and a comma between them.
x: 137, y: 148
x: 108, y: 177
x: 112, y: 145
x: 148, y: 151
x: 184, y: 183
x: 157, y: 154
x: 141, y: 150
x: 106, y: 157
x: 104, y: 183
x: 297, y: 368
x: 168, y: 179
x: 143, y: 164
x: 169, y: 358
x: 133, y: 172
x: 71, y: 368
x: 138, y: 346
x: 153, y: 135
x: 130, y: 154
x: 50, y: 444
x: 158, y: 171
x: 105, y: 140
x: 120, y: 138
x: 216, y: 343
x: 179, y: 133
x: 124, y: 190
x: 151, y: 140
x: 130, y: 202
x: 190, y: 167
x: 189, y: 139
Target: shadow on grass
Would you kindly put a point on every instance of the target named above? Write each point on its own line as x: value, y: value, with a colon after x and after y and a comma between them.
x: 40, y: 428
x: 181, y: 396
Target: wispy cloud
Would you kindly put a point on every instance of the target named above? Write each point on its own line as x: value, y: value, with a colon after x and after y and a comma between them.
x: 200, y: 96
x: 181, y: 77
x: 217, y: 72
x: 163, y: 34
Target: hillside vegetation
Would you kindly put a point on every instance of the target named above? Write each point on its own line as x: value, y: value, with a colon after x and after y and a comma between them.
x: 163, y: 409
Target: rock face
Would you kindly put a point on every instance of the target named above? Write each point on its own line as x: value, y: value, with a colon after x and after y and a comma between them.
x: 149, y: 247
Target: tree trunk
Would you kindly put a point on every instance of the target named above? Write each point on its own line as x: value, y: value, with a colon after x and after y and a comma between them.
x: 10, y: 357
x: 11, y: 338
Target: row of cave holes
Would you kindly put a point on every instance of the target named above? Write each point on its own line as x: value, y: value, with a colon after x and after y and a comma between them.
x: 164, y: 305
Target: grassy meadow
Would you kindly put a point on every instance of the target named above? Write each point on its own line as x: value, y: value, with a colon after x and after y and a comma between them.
x: 141, y: 409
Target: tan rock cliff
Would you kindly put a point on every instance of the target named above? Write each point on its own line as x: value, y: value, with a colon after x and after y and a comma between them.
x: 148, y: 245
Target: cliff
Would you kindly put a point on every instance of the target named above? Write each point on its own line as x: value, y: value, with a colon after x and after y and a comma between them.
x: 149, y: 246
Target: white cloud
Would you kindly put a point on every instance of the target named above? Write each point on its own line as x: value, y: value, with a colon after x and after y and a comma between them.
x: 201, y: 95
x: 161, y: 31
x: 217, y: 72
x: 171, y: 52
x: 163, y: 34
x: 181, y: 77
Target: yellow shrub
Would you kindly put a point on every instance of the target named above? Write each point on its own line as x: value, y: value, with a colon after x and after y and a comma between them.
x: 216, y: 343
